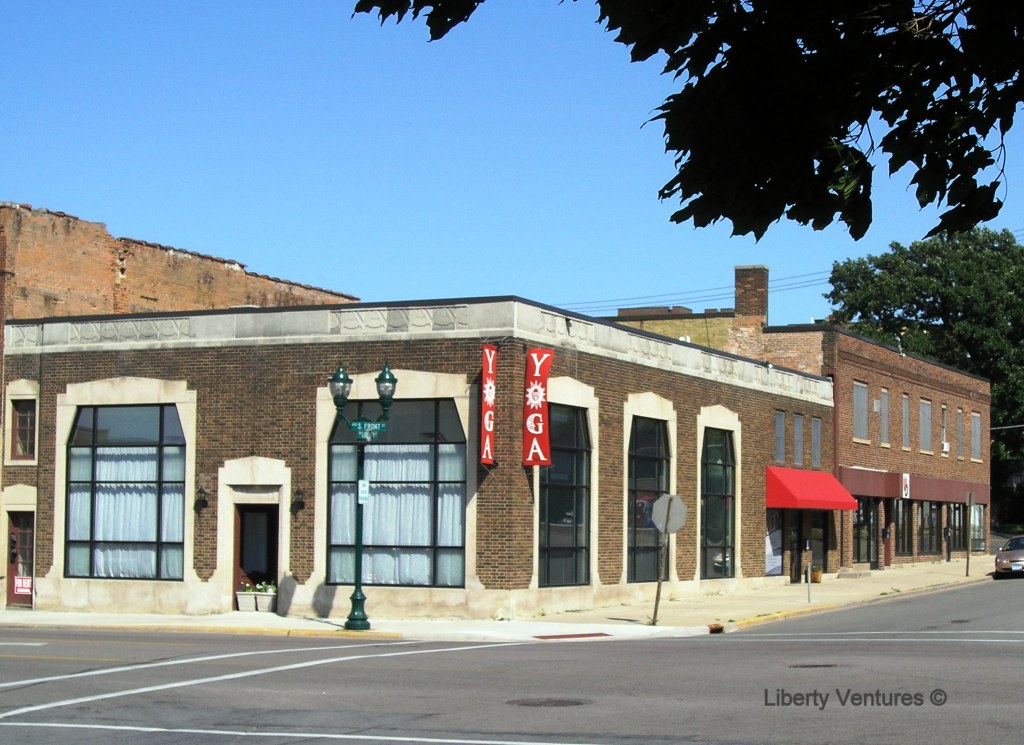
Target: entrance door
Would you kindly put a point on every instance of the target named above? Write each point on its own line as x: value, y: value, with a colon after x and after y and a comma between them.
x: 865, y: 532
x: 819, y: 538
x: 255, y: 544
x: 21, y: 543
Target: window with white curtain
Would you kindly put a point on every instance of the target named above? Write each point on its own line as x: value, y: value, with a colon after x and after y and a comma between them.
x: 414, y: 518
x: 126, y: 493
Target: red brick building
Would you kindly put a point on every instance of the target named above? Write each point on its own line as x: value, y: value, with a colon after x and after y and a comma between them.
x: 181, y: 454
x: 911, y: 434
x: 54, y: 265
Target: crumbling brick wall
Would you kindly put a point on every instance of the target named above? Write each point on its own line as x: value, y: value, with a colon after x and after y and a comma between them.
x: 55, y: 264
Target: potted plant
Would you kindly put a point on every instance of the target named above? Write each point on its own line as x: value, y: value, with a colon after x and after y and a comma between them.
x: 816, y: 571
x: 260, y: 597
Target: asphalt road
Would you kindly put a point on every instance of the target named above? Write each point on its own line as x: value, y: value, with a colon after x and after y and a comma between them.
x: 940, y: 667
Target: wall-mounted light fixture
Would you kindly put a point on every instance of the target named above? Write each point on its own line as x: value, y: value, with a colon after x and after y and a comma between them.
x: 298, y: 502
x: 201, y: 501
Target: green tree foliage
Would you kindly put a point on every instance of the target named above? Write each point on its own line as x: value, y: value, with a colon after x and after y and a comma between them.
x: 958, y: 299
x: 784, y: 102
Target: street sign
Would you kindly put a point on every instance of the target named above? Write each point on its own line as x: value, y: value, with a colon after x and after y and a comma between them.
x: 668, y: 513
x: 366, y: 430
x: 363, y: 491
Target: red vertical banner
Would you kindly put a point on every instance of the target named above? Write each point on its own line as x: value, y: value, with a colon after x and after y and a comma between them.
x: 488, y: 375
x: 536, y: 443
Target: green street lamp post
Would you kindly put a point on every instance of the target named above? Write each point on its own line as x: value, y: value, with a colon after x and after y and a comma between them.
x: 365, y: 431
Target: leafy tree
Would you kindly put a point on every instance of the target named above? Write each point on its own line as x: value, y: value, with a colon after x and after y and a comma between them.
x: 785, y: 102
x: 958, y: 299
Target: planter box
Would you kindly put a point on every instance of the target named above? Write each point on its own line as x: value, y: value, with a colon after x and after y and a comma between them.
x: 265, y: 602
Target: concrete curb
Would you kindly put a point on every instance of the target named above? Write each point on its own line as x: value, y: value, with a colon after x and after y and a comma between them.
x: 744, y: 623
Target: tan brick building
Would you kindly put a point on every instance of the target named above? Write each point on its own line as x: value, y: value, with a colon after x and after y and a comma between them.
x: 911, y: 434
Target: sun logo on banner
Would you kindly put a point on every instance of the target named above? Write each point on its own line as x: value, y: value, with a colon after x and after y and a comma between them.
x: 489, y: 392
x: 535, y: 396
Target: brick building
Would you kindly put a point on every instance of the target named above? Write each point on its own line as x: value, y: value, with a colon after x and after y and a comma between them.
x: 55, y: 265
x: 181, y: 454
x: 911, y: 434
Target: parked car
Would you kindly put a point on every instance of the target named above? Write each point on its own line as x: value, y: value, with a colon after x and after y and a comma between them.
x: 1010, y: 558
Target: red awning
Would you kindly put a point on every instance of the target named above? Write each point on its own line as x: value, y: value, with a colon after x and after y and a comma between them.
x: 810, y: 490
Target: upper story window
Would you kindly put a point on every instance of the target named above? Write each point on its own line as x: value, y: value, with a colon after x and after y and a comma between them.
x: 126, y: 493
x: 780, y: 437
x: 648, y: 479
x: 798, y: 440
x: 564, y: 509
x: 23, y: 429
x: 816, y: 442
x: 414, y: 517
x: 943, y: 438
x: 959, y: 433
x: 976, y: 436
x: 884, y: 415
x: 906, y: 421
x: 860, y: 411
x: 925, y: 428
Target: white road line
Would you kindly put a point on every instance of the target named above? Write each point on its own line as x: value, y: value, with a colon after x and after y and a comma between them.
x: 891, y: 633
x: 188, y: 661
x: 240, y: 675
x: 289, y: 735
x: 876, y: 640
x: 22, y: 644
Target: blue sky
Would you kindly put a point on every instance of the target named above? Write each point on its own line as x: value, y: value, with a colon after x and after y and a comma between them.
x: 508, y: 158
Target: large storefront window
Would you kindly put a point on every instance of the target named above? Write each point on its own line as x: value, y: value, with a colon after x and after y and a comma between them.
x: 648, y: 480
x: 904, y: 532
x: 126, y: 493
x: 957, y: 523
x: 414, y: 516
x: 929, y: 523
x: 977, y: 527
x: 718, y: 511
x: 564, y: 501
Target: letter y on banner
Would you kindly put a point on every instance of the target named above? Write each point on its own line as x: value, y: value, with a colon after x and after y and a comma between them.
x: 536, y: 443
x: 487, y: 377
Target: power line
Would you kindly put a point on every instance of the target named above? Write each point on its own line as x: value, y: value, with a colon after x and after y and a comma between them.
x: 693, y: 297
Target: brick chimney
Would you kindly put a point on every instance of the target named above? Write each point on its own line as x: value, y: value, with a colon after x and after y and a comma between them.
x: 746, y: 337
x: 752, y: 292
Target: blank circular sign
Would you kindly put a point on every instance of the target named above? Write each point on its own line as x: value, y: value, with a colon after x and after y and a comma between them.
x: 676, y: 517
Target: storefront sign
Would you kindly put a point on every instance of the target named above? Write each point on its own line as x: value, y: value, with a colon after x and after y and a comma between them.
x: 22, y: 585
x: 536, y: 450
x: 905, y: 485
x: 487, y: 392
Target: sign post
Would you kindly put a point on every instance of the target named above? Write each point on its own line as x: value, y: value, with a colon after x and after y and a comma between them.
x: 668, y: 515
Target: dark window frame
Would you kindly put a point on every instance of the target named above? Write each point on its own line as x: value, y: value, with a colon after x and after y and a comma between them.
x: 904, y: 533
x: 87, y: 436
x: 649, y: 455
x: 343, y: 437
x: 929, y: 530
x: 23, y: 428
x: 718, y: 470
x: 567, y: 476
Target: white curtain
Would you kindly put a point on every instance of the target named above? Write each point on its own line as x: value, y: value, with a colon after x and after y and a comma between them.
x: 398, y: 517
x: 127, y: 513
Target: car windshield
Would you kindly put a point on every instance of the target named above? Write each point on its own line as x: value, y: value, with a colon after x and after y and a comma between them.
x: 1014, y: 544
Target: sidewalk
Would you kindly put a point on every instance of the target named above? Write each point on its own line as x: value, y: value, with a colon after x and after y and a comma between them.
x: 688, y: 615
